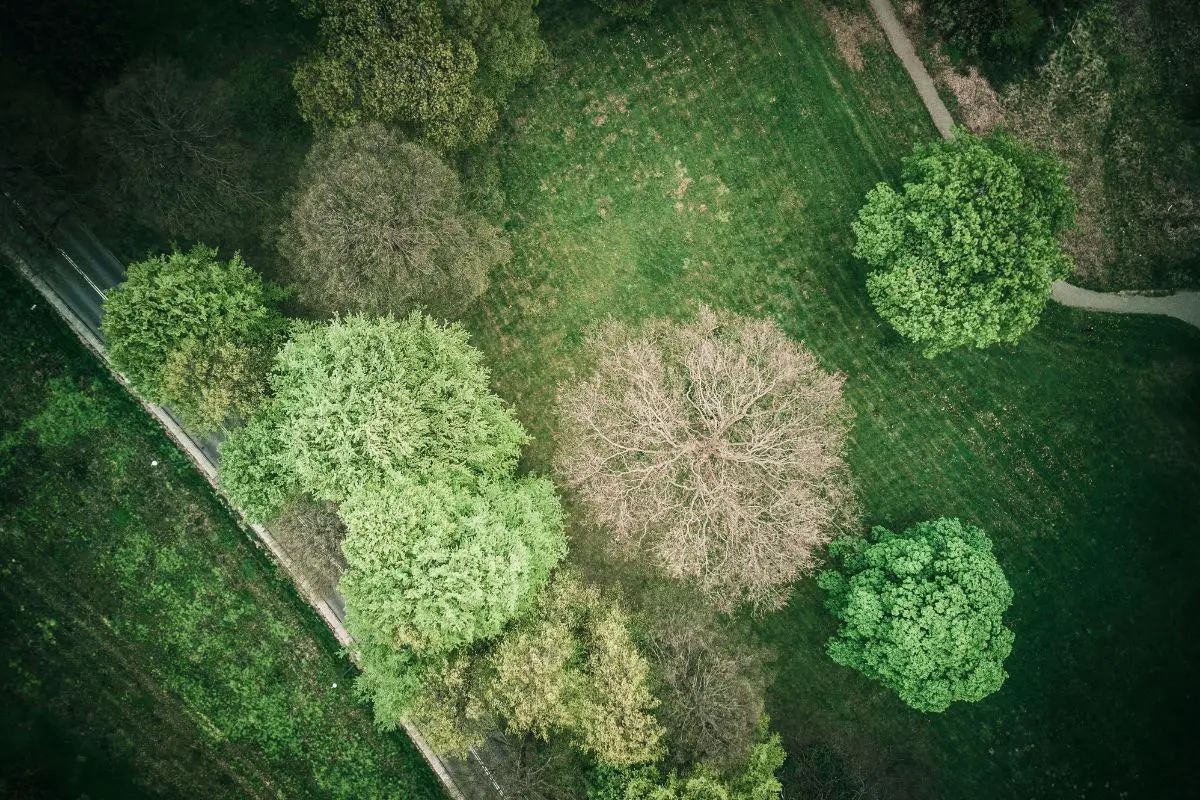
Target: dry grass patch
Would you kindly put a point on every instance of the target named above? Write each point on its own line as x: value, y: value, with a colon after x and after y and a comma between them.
x: 850, y: 32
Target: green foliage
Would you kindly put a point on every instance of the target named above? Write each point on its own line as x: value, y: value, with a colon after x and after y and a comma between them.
x: 379, y: 225
x: 194, y: 332
x: 253, y: 472
x: 361, y: 400
x: 631, y: 9
x: 922, y: 612
x: 439, y: 68
x: 755, y: 780
x: 569, y: 667
x: 965, y: 254
x: 433, y: 566
x: 141, y: 625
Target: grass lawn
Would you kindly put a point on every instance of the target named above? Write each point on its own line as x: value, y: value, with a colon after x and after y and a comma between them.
x: 718, y: 153
x: 149, y: 648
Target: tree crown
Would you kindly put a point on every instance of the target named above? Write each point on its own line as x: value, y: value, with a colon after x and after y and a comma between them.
x: 922, y: 612
x: 965, y: 253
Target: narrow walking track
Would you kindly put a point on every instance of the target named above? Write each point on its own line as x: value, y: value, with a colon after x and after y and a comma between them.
x: 1181, y: 305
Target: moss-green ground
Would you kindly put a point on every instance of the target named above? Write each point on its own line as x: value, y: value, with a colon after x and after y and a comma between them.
x: 717, y: 153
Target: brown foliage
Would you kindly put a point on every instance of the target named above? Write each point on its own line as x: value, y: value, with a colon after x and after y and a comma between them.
x: 171, y: 156
x: 379, y: 226
x: 711, y: 685
x: 715, y: 445
x: 851, y: 30
x: 311, y: 534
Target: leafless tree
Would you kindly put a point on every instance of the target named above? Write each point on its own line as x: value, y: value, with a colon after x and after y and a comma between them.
x: 311, y: 533
x: 170, y: 151
x: 714, y: 445
x: 379, y: 225
x: 711, y: 684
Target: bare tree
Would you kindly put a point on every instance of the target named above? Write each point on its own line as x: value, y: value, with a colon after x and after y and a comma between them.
x: 715, y: 445
x: 379, y: 225
x: 311, y: 533
x: 171, y: 153
x: 711, y: 685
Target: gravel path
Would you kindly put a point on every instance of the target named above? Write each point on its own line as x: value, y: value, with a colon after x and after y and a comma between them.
x: 1181, y: 305
x: 902, y: 45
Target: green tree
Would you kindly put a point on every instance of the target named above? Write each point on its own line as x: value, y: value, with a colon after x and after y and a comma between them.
x: 379, y: 225
x: 922, y: 612
x: 571, y: 667
x: 360, y: 401
x: 965, y: 254
x: 753, y: 779
x: 631, y: 9
x: 438, y: 67
x: 196, y: 333
x: 433, y: 566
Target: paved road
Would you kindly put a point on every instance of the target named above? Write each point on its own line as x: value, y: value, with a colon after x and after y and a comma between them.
x: 80, y: 270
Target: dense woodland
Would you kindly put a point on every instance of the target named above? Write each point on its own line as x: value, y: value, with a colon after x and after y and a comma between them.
x: 677, y: 415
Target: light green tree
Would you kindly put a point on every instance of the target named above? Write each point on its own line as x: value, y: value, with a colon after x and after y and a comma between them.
x: 360, y: 401
x: 440, y: 68
x: 196, y: 333
x: 570, y: 667
x: 922, y: 612
x: 965, y: 253
x: 432, y: 566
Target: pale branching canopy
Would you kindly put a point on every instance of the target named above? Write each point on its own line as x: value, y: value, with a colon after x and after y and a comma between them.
x: 714, y: 445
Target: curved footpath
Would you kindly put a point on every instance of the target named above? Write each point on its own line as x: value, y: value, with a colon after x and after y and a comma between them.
x: 1181, y: 305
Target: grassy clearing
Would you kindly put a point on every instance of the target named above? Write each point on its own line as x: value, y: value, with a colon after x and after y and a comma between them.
x: 718, y: 152
x: 150, y: 649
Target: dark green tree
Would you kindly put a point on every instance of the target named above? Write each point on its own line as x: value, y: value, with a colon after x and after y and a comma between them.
x: 196, y: 333
x: 965, y: 253
x: 922, y: 612
x: 630, y: 9
x: 438, y: 67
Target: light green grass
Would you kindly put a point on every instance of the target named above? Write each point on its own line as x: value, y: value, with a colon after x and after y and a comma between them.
x: 1077, y: 449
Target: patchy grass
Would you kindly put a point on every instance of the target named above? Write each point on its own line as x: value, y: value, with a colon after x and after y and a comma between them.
x: 150, y: 648
x: 718, y: 153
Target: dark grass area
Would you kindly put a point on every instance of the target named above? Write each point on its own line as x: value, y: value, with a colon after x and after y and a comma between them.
x: 718, y: 152
x: 150, y: 649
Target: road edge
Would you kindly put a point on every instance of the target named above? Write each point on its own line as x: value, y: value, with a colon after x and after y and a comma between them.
x: 201, y: 461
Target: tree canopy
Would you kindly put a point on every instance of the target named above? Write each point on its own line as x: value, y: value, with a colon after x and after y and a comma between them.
x: 753, y: 778
x: 965, y: 254
x: 569, y: 667
x: 169, y: 151
x: 196, y: 333
x: 715, y: 445
x: 632, y: 9
x: 432, y: 567
x: 438, y: 68
x: 378, y: 225
x: 362, y: 400
x: 922, y: 612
